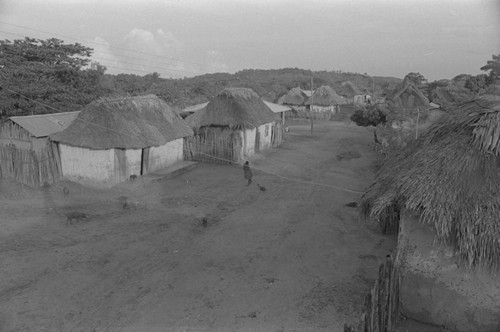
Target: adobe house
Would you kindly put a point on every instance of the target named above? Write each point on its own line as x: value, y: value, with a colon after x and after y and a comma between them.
x: 232, y: 127
x: 443, y: 194
x: 113, y: 138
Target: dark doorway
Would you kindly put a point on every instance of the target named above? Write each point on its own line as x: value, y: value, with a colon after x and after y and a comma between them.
x: 144, y: 161
x: 257, y: 139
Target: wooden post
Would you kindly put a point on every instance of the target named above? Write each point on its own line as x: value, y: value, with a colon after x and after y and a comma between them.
x: 311, y: 106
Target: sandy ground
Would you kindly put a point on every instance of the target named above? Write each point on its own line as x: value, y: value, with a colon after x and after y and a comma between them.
x: 291, y: 258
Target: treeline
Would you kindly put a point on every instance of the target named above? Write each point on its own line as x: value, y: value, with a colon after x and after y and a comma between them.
x: 269, y: 84
x: 46, y: 76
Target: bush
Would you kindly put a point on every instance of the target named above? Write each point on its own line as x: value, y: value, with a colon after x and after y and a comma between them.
x: 369, y: 117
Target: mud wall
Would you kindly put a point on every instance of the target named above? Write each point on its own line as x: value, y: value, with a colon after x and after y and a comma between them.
x: 435, y: 287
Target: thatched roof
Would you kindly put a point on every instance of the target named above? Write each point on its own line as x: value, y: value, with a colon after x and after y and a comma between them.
x: 295, y: 97
x: 407, y: 95
x: 124, y: 122
x: 236, y: 108
x: 325, y: 96
x: 348, y: 89
x: 450, y: 178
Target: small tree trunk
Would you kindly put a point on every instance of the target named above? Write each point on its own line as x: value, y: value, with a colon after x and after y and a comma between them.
x: 375, y: 138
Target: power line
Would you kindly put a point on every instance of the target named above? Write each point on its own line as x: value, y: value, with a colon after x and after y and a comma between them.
x: 165, y: 69
x: 98, y: 43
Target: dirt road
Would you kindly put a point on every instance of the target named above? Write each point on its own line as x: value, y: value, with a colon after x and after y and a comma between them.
x: 291, y: 258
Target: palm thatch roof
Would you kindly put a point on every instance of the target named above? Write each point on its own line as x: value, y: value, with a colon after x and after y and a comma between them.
x: 407, y: 95
x: 450, y: 178
x: 125, y: 123
x: 325, y: 96
x: 348, y: 89
x: 295, y: 97
x: 236, y: 108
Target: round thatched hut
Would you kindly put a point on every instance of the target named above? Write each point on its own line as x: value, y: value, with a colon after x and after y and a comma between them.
x: 446, y: 187
x: 295, y: 99
x: 231, y: 127
x: 324, y: 102
x: 113, y: 138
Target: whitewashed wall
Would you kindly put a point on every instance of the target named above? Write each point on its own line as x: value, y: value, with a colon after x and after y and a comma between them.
x: 323, y: 109
x: 265, y: 136
x: 87, y: 166
x: 165, y: 155
x: 248, y: 146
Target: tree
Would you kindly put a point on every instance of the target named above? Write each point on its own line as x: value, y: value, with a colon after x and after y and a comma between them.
x: 493, y: 66
x: 416, y: 78
x: 48, y: 72
x: 477, y: 84
x: 371, y: 116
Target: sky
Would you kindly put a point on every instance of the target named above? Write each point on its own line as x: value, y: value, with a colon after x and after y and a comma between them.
x: 185, y: 38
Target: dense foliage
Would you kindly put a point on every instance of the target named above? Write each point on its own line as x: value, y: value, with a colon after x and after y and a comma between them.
x: 369, y: 116
x: 48, y: 72
x: 493, y: 66
x: 44, y: 76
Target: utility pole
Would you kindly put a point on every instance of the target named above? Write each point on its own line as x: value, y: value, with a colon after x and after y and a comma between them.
x: 311, y: 105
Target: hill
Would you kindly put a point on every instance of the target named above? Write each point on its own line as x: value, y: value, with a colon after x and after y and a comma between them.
x: 269, y: 84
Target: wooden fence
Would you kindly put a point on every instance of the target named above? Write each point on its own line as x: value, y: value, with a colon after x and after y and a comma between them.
x: 30, y: 168
x: 381, y: 307
x: 209, y: 150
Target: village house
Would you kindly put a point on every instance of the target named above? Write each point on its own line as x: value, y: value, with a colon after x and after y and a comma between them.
x: 362, y: 100
x: 231, y: 128
x: 442, y: 196
x: 349, y: 90
x: 26, y: 153
x: 295, y: 99
x: 324, y: 103
x: 114, y: 138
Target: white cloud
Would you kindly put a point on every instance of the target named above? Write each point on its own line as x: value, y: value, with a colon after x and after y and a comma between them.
x: 105, y: 55
x: 157, y: 51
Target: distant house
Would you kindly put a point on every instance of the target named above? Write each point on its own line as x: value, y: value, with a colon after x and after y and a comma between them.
x: 324, y: 103
x: 26, y: 153
x: 230, y: 128
x: 408, y: 97
x: 362, y: 100
x: 348, y: 90
x: 296, y: 98
x: 113, y: 138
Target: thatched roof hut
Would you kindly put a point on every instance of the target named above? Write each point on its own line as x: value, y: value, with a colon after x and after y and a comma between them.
x: 348, y: 89
x: 237, y: 108
x: 124, y: 122
x: 407, y: 95
x: 450, y: 178
x: 325, y: 96
x: 295, y: 97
